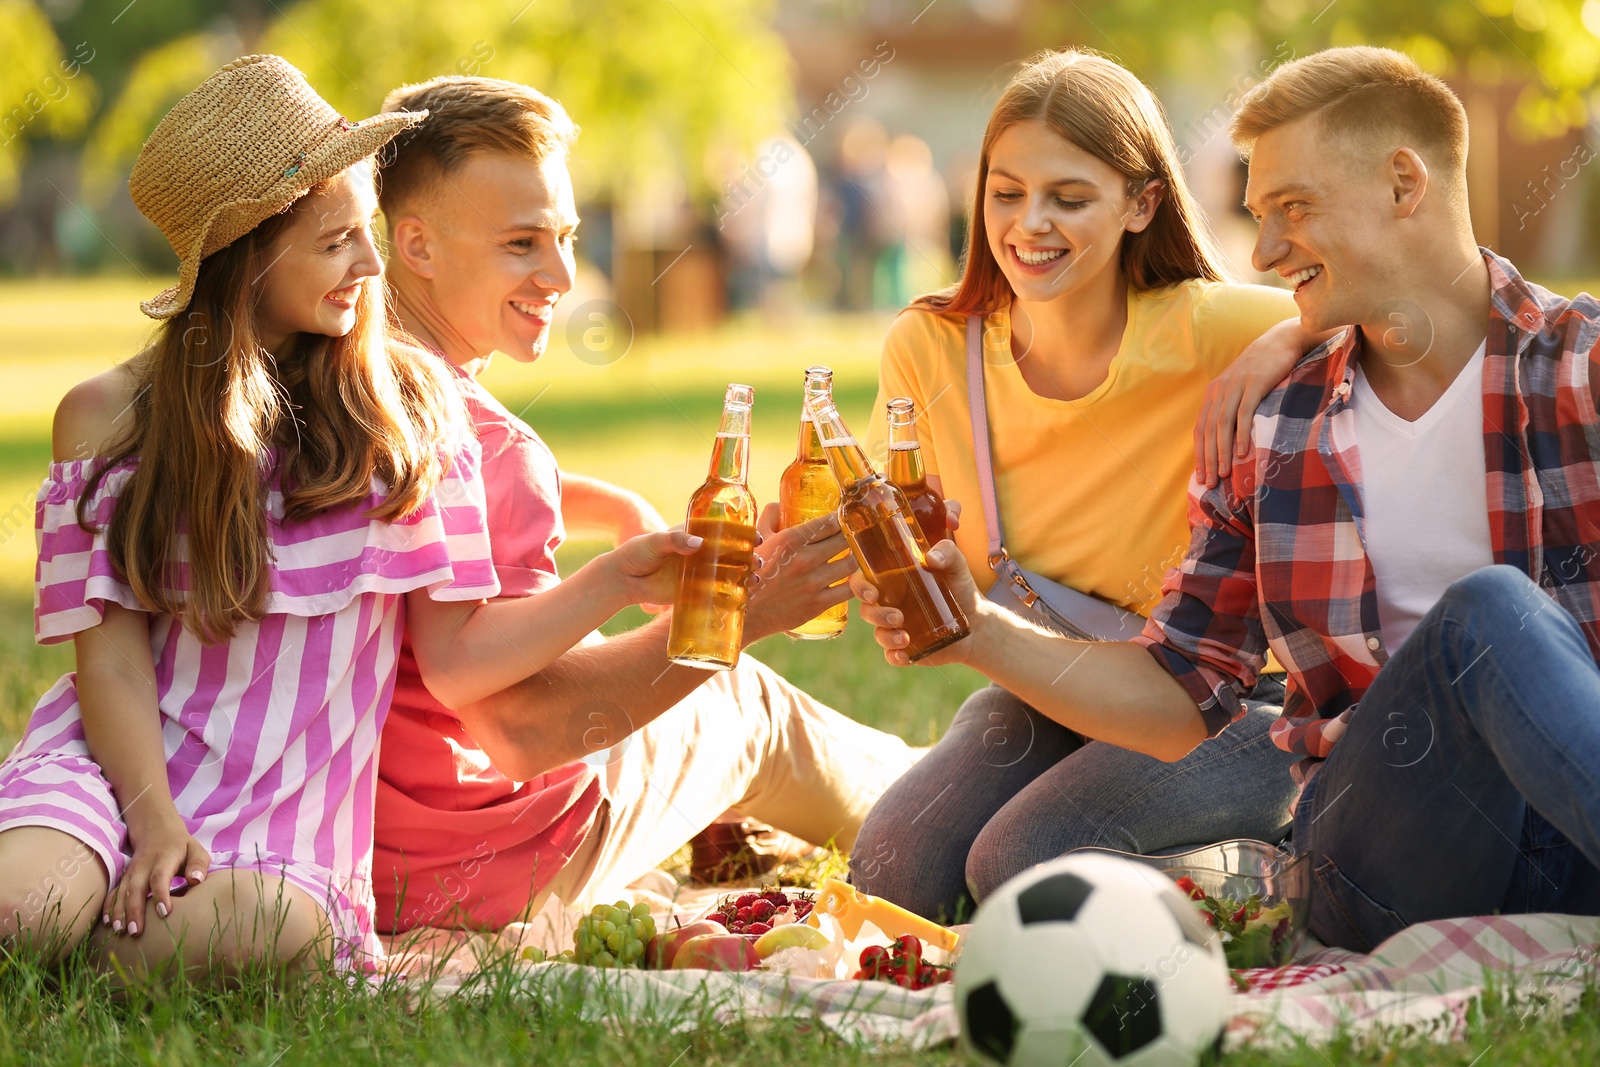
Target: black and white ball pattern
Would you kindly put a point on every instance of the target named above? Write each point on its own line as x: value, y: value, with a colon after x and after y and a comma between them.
x: 1092, y: 961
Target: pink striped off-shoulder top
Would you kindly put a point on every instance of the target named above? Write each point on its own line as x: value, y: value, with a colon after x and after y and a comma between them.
x: 270, y: 737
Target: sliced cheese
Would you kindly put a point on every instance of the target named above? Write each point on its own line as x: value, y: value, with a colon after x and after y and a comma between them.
x: 850, y: 908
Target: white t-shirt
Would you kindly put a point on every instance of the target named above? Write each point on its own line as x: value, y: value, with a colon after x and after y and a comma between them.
x: 1424, y: 490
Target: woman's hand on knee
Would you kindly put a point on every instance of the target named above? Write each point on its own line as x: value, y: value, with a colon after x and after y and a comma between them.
x: 162, y: 850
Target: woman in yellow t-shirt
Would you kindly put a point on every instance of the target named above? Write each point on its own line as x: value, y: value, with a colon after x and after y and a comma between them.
x: 1104, y: 318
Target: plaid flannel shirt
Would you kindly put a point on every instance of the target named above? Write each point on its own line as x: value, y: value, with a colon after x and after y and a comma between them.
x: 1277, y: 554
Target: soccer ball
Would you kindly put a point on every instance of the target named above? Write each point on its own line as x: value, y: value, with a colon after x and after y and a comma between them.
x: 1092, y: 961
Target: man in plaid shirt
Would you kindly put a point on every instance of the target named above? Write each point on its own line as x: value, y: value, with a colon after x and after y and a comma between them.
x: 1416, y: 536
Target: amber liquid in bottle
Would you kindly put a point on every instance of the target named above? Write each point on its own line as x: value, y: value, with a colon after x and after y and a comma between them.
x: 806, y: 491
x: 887, y: 542
x: 708, y: 615
x: 906, y: 473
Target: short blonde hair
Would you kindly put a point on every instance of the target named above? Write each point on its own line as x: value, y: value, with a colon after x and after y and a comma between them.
x: 466, y: 115
x: 1357, y: 93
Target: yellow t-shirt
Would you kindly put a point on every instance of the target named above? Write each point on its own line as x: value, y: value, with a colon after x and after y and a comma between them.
x: 1093, y: 492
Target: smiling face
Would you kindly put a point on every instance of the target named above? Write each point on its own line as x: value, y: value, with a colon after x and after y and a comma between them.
x: 318, y: 263
x: 1326, y: 216
x: 1055, y: 214
x: 494, y: 243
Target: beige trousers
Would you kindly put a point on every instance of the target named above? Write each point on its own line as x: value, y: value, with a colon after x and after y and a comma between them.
x: 746, y: 739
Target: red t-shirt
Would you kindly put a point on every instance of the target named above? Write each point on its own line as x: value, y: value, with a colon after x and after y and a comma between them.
x: 462, y: 843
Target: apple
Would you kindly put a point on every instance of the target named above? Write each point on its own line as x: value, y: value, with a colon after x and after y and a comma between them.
x: 663, y: 948
x: 717, y: 952
x: 790, y: 935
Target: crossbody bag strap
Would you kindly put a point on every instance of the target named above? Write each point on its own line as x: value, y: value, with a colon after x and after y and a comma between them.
x: 979, y: 409
x: 1005, y: 568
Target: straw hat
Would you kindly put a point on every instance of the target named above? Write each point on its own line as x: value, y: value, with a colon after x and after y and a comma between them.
x: 239, y: 149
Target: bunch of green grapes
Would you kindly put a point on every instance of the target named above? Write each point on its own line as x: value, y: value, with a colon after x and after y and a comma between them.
x: 614, y: 935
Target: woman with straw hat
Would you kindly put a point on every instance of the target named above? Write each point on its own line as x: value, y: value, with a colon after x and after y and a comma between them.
x: 230, y: 527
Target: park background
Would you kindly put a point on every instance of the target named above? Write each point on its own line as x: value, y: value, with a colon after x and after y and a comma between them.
x: 762, y: 184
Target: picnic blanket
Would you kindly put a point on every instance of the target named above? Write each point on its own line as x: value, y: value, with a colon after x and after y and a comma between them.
x: 1418, y: 985
x: 1421, y: 982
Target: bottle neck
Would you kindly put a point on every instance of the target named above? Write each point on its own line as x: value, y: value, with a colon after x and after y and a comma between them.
x: 818, y: 393
x: 810, y: 447
x: 905, y: 463
x: 905, y: 457
x: 730, y: 456
x: 845, y: 455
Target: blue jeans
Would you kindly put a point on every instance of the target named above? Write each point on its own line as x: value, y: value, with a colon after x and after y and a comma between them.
x: 1468, y: 782
x: 1007, y: 788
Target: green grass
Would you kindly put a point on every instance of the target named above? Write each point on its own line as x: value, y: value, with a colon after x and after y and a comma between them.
x: 70, y: 1017
x: 645, y: 423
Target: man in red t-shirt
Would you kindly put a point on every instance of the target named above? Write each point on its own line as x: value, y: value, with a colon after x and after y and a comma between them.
x: 600, y: 766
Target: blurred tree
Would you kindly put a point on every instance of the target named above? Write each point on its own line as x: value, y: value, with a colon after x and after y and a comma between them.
x: 153, y: 52
x: 1549, y: 45
x: 153, y: 85
x: 654, y: 84
x: 44, y: 90
x: 121, y: 32
x: 1547, y: 51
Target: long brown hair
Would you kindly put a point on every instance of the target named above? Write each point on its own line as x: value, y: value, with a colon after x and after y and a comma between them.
x: 217, y: 419
x: 1102, y: 108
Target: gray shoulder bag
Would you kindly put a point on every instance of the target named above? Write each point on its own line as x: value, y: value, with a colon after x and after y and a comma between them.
x: 1036, y: 598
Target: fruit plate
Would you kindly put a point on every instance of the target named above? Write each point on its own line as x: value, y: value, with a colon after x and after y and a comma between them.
x: 753, y: 912
x: 1237, y: 871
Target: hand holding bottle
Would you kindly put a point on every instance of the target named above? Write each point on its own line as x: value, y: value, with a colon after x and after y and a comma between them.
x: 808, y: 490
x: 886, y: 540
x: 952, y: 517
x: 799, y: 573
x: 887, y: 623
x: 707, y: 628
x: 649, y: 566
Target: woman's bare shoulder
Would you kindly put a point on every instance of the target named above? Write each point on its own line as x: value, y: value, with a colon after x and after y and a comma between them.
x: 94, y: 413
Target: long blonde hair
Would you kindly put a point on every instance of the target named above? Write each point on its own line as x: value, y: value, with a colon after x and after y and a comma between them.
x: 217, y: 419
x: 1102, y: 108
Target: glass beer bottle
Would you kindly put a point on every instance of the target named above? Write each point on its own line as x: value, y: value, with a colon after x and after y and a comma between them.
x: 707, y: 628
x: 807, y: 491
x: 906, y: 473
x: 888, y: 544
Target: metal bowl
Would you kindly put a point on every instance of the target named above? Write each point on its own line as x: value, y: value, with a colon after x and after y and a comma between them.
x: 1239, y: 869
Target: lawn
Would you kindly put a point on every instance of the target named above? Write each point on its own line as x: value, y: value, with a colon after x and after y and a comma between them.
x: 644, y: 421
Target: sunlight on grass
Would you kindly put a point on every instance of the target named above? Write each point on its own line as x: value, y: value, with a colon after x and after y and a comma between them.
x: 645, y: 422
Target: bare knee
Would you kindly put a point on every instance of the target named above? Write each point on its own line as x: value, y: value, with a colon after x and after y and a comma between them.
x: 52, y: 887
x: 234, y: 922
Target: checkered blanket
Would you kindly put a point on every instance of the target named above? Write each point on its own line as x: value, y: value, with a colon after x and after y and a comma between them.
x: 1421, y: 982
x: 1417, y: 985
